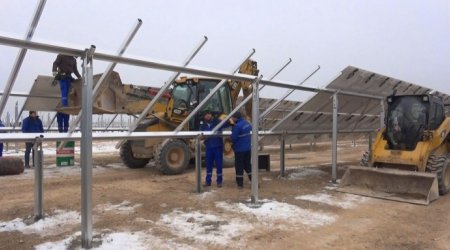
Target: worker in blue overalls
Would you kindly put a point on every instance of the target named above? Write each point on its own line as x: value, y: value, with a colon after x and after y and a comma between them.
x: 214, y: 148
x: 63, y: 67
x: 242, y: 145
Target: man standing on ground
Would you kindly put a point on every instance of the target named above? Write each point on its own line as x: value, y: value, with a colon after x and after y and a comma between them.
x: 31, y: 124
x: 63, y: 67
x: 241, y: 137
x: 214, y: 149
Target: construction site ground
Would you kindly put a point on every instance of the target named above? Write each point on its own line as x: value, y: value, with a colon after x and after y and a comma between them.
x: 143, y: 209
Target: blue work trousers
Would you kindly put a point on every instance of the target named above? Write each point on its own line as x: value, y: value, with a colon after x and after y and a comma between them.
x: 214, y: 155
x: 64, y: 86
x: 63, y: 122
x: 242, y: 161
x: 28, y: 150
x: 1, y: 149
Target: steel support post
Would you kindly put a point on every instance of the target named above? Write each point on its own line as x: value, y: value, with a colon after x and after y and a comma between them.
x: 198, y: 163
x: 282, y: 156
x: 255, y: 129
x: 382, y: 114
x: 86, y: 150
x: 370, y: 149
x: 16, y: 123
x: 334, y: 139
x: 19, y: 59
x: 38, y: 180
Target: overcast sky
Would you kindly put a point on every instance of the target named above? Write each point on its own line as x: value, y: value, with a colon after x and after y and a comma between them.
x: 404, y: 39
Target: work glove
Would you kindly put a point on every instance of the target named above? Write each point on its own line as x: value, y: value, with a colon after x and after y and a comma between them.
x: 55, y: 73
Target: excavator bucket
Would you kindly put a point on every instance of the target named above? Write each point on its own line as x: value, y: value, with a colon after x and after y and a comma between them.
x: 390, y: 184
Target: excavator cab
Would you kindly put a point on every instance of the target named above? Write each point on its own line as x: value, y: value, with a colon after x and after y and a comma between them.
x: 188, y: 93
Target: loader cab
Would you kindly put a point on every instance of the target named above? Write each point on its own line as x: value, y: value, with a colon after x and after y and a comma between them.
x: 188, y: 93
x: 408, y: 117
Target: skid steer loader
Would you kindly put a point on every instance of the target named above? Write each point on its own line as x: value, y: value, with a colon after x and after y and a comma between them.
x: 171, y: 156
x: 410, y: 157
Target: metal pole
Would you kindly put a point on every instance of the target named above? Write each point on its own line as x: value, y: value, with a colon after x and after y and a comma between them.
x: 38, y: 180
x: 210, y: 95
x: 166, y: 85
x: 288, y: 92
x: 198, y: 163
x: 282, y: 155
x: 382, y: 114
x: 370, y: 151
x: 112, y: 120
x: 16, y: 123
x: 255, y: 129
x: 19, y: 59
x: 51, y: 122
x: 86, y: 151
x: 334, y: 140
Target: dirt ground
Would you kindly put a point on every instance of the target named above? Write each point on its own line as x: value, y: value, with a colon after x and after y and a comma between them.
x: 367, y: 224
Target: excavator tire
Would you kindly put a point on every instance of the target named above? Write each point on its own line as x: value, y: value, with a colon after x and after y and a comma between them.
x: 441, y: 166
x: 365, y: 159
x: 126, y: 154
x: 11, y: 166
x: 172, y: 156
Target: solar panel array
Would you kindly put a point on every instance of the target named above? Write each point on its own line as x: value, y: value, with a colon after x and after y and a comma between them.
x: 355, y: 112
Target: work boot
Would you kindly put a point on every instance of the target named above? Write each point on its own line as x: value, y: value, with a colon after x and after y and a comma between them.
x: 207, y: 185
x: 219, y: 185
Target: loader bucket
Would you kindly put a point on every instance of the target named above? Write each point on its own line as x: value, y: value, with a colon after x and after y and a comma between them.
x: 390, y: 184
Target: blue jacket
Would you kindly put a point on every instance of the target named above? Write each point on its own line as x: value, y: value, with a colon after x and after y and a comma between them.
x: 241, y: 136
x: 30, y: 125
x: 215, y: 141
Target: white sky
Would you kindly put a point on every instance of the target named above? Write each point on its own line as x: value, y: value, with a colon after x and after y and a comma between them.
x: 405, y: 39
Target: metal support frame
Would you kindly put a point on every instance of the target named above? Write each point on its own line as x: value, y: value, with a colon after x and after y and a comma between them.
x: 21, y: 56
x: 38, y: 180
x: 166, y: 86
x: 210, y: 94
x: 334, y: 139
x: 255, y: 129
x: 288, y: 93
x: 101, y: 82
x: 221, y: 123
x: 282, y: 155
x: 86, y: 150
x: 198, y: 163
x: 248, y: 98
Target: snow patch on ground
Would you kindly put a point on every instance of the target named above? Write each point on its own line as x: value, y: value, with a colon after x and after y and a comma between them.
x: 117, y: 241
x: 123, y: 208
x: 346, y: 201
x: 272, y: 212
x: 50, y: 225
x: 202, y: 227
x: 301, y: 173
x: 206, y: 195
x: 266, y: 179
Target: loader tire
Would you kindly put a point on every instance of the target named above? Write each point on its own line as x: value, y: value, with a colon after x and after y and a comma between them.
x: 126, y: 154
x: 172, y: 156
x: 365, y: 159
x: 441, y: 166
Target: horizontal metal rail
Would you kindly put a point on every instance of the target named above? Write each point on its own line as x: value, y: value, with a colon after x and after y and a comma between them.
x: 27, y: 137
x: 20, y: 43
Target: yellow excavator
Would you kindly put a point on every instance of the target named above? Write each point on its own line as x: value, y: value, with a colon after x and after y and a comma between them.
x: 410, y: 157
x: 171, y: 156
